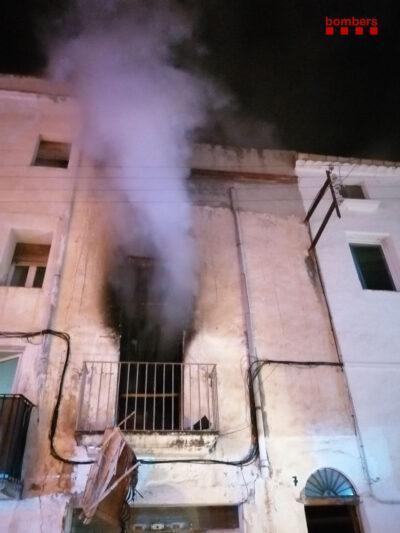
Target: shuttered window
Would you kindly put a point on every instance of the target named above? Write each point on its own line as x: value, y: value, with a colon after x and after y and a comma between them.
x: 28, y: 267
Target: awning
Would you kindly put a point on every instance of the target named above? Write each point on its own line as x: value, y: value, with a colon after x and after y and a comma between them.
x: 109, y: 478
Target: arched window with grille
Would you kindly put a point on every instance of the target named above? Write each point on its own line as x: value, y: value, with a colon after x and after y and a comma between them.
x: 331, y: 503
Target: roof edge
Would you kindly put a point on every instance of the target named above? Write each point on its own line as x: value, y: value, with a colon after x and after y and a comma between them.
x: 30, y: 84
x: 316, y: 159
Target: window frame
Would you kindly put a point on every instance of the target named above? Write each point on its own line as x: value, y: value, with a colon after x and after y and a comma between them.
x: 389, y: 252
x: 11, y: 354
x: 35, y: 163
x: 353, y: 514
x: 363, y: 274
x: 30, y: 278
x: 362, y: 187
x: 33, y: 267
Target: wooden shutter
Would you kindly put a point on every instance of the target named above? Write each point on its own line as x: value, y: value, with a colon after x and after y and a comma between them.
x: 36, y: 254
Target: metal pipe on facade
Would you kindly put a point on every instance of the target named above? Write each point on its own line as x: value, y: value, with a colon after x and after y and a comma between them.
x: 55, y: 289
x: 251, y: 347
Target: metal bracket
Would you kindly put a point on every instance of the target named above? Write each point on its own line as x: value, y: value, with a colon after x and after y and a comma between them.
x: 334, y: 206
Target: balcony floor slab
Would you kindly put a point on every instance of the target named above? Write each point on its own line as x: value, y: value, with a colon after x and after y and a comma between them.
x: 157, y: 443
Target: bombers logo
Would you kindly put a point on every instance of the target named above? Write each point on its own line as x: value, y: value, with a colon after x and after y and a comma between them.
x: 353, y: 25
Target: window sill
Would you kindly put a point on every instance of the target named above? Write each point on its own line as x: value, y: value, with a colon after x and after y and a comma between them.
x: 360, y: 205
x: 12, y: 287
x: 380, y: 291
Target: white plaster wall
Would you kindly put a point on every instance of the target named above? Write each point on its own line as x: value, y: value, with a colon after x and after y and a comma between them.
x: 34, y: 207
x: 306, y: 410
x: 366, y: 322
x: 35, y: 204
x: 43, y: 514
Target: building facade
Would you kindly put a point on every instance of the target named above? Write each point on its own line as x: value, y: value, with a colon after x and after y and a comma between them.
x: 256, y: 416
x: 358, y: 256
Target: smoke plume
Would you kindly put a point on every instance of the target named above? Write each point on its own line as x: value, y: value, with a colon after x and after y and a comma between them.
x: 140, y: 111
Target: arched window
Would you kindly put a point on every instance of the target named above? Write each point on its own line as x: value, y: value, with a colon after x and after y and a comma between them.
x: 330, y: 503
x: 328, y: 483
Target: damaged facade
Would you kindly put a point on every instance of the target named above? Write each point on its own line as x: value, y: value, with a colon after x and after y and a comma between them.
x: 230, y: 433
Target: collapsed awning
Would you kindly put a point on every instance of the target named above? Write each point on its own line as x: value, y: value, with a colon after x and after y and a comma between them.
x: 109, y: 478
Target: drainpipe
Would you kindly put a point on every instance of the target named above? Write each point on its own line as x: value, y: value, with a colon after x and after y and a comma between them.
x: 251, y: 348
x: 55, y: 289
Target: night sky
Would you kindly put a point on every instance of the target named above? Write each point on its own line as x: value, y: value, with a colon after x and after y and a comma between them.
x: 322, y: 94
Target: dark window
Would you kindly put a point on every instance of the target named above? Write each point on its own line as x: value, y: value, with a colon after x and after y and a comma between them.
x: 352, y: 191
x: 19, y: 276
x: 39, y: 277
x: 52, y: 154
x: 332, y: 519
x: 154, y: 392
x: 372, y: 268
x: 28, y: 266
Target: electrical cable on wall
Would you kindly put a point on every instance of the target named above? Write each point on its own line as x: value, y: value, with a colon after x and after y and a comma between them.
x: 253, y: 371
x: 250, y: 457
x: 56, y: 410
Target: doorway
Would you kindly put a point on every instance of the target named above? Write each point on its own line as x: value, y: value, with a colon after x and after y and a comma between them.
x: 150, y: 371
x: 330, y: 503
x: 332, y: 519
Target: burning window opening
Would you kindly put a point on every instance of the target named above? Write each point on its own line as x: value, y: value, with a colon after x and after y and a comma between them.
x: 143, y: 336
x: 151, y: 377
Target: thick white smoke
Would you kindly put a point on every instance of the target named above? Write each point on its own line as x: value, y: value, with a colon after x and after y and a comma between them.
x: 139, y: 112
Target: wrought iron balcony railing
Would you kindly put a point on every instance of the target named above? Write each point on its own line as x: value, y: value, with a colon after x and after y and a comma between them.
x: 163, y: 397
x: 15, y: 411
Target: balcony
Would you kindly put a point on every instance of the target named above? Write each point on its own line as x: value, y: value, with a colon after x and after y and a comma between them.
x: 15, y: 411
x: 175, y: 401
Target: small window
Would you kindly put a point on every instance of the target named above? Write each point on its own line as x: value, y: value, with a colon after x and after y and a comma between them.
x: 28, y: 267
x: 52, y: 154
x: 372, y: 268
x: 8, y: 369
x: 352, y: 191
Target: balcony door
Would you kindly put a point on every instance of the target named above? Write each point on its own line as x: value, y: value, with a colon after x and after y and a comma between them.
x: 150, y: 381
x: 332, y: 519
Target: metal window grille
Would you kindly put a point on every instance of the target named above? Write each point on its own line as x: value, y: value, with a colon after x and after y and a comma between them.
x: 164, y: 396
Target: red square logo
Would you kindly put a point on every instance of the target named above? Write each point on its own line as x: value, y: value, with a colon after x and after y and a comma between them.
x: 359, y: 30
x: 344, y: 30
x: 373, y: 30
x: 329, y: 30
